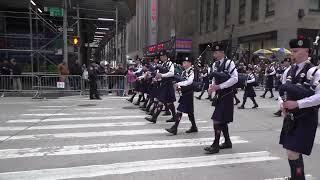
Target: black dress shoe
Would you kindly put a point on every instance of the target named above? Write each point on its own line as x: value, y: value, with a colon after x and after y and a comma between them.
x: 213, y: 149
x: 171, y: 120
x: 166, y: 114
x: 271, y: 97
x: 226, y: 145
x: 255, y: 107
x: 199, y: 98
x: 241, y: 107
x: 208, y: 98
x: 263, y: 96
x: 151, y: 119
x: 192, y: 130
x: 144, y: 109
x: 172, y: 130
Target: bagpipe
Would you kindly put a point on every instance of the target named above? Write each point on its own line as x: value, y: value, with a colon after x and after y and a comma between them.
x: 195, y: 86
x: 221, y: 77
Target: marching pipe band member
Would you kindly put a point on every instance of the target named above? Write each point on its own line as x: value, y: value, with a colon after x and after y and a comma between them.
x: 166, y: 91
x: 186, y: 104
x: 206, y: 81
x: 269, y: 74
x: 223, y: 113
x: 301, y: 115
x: 137, y: 72
x: 249, y: 89
x: 285, y: 64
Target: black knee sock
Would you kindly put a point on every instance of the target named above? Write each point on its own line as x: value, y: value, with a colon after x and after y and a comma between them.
x: 254, y: 101
x: 177, y: 120
x: 265, y: 92
x: 217, y: 134
x: 139, y: 99
x: 132, y: 97
x: 225, y: 131
x: 244, y: 101
x: 150, y: 104
x: 146, y: 102
x: 158, y: 111
x: 172, y: 109
x: 201, y: 94
x: 236, y: 98
x: 271, y: 92
x: 192, y: 120
x: 155, y: 105
x: 297, y: 169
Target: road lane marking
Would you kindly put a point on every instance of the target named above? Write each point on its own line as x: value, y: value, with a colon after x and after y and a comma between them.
x: 139, y: 166
x: 76, y: 126
x: 112, y: 147
x: 94, y: 134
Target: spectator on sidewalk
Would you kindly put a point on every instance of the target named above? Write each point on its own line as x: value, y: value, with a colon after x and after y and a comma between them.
x: 16, y: 72
x: 63, y: 73
x: 76, y: 72
x: 120, y: 72
x: 6, y: 72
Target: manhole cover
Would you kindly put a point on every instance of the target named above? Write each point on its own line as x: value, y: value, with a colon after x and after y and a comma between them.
x: 87, y: 105
x: 130, y: 107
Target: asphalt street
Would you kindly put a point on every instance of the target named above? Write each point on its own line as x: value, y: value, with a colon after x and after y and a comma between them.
x: 75, y: 138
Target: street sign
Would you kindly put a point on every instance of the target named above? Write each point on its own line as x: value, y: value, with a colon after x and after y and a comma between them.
x: 55, y: 11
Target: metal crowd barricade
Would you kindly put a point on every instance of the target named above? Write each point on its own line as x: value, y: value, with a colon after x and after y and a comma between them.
x: 116, y: 84
x: 61, y: 84
x: 19, y: 84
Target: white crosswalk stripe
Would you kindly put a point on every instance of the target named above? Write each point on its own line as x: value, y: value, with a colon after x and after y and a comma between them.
x: 138, y: 166
x: 113, y: 147
x: 94, y: 134
x: 74, y: 126
x: 73, y: 109
x: 77, y: 119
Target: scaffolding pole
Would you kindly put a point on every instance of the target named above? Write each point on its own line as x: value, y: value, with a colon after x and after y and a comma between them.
x: 78, y: 25
x: 31, y: 37
x: 65, y: 32
x: 116, y: 36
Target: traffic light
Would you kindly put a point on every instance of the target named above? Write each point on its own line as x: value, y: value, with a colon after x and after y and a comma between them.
x: 75, y: 40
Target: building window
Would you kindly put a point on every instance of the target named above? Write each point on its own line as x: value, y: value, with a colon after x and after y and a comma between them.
x: 270, y: 8
x: 215, y: 15
x: 201, y: 14
x: 254, y: 10
x: 208, y: 15
x: 227, y: 13
x: 314, y: 5
x: 242, y: 11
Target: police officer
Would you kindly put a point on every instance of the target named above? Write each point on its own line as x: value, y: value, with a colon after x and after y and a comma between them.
x: 166, y: 90
x: 93, y: 77
x: 186, y: 104
x: 269, y: 74
x: 223, y: 113
x: 299, y: 139
x: 249, y: 90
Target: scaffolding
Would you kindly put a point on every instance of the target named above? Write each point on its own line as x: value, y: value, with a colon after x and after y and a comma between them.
x: 45, y: 36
